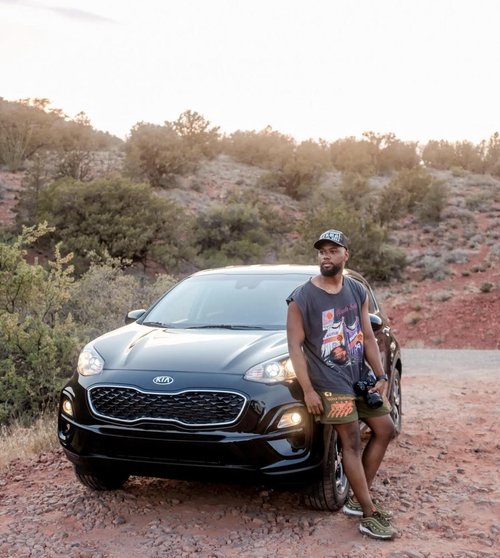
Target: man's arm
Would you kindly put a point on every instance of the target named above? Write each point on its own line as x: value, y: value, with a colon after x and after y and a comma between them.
x: 296, y: 336
x: 372, y: 354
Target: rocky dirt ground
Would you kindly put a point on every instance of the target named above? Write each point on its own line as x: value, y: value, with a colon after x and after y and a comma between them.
x: 440, y: 477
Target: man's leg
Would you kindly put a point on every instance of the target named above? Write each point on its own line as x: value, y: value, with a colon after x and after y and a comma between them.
x: 353, y: 465
x: 373, y: 523
x: 382, y: 432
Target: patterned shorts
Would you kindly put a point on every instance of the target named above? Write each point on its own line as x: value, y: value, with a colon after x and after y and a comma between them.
x: 341, y: 408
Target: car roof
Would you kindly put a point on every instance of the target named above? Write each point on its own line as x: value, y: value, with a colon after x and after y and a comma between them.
x: 258, y: 269
x: 273, y: 269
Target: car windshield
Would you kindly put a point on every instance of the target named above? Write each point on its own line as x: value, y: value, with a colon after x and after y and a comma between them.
x: 233, y: 301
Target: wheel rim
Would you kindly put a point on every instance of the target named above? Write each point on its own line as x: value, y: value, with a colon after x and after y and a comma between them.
x: 340, y: 476
x: 396, y: 402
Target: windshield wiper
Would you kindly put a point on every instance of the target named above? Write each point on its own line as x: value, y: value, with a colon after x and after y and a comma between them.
x: 224, y: 326
x: 155, y: 324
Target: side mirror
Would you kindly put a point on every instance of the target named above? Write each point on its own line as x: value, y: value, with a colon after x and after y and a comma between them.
x: 134, y: 315
x: 376, y: 322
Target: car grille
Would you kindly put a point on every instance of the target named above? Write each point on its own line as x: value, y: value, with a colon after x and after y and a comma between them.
x: 190, y: 408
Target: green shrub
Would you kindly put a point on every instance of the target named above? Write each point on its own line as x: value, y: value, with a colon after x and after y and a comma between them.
x: 458, y: 156
x: 495, y: 251
x: 267, y: 149
x: 392, y: 154
x: 355, y: 192
x: 293, y: 168
x: 28, y: 126
x: 412, y: 192
x: 36, y: 178
x: 38, y: 342
x: 469, y: 156
x: 370, y: 250
x: 159, y: 153
x: 458, y: 172
x: 486, y: 287
x: 374, y: 154
x: 393, y: 202
x: 457, y: 256
x: 25, y: 127
x: 431, y: 205
x: 441, y: 296
x: 156, y: 154
x: 231, y: 234
x: 104, y: 295
x: 304, y: 169
x: 117, y: 217
x: 46, y: 317
x: 479, y: 201
x: 199, y: 138
x: 433, y: 267
x: 459, y: 214
x: 439, y: 154
x: 353, y: 156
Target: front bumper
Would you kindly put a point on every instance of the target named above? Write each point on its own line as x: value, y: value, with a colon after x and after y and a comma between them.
x: 288, y: 456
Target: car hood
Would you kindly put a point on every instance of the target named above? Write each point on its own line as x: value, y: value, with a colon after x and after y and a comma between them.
x: 137, y: 347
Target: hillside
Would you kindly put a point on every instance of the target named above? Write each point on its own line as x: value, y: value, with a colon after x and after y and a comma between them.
x: 449, y: 295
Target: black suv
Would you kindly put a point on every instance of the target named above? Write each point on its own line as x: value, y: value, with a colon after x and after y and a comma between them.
x: 200, y: 385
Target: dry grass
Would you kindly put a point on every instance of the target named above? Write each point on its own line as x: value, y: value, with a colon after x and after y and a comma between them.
x: 441, y: 295
x: 18, y: 441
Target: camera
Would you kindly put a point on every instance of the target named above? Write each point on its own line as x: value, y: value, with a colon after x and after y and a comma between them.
x: 362, y: 387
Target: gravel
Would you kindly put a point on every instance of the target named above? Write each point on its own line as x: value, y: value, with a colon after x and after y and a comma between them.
x: 439, y: 477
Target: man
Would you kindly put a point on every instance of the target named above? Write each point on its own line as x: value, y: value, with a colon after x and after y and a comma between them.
x: 326, y: 315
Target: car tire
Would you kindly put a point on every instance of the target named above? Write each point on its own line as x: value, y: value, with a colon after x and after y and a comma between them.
x: 330, y: 492
x: 102, y: 481
x: 396, y: 401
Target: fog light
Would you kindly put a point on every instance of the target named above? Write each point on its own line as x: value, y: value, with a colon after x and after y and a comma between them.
x: 291, y: 418
x: 67, y: 407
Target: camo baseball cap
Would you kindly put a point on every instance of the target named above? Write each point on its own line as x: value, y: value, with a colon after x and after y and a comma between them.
x: 332, y: 235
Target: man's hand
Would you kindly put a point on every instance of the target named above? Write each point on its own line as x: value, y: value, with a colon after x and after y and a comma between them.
x: 380, y: 387
x: 313, y: 403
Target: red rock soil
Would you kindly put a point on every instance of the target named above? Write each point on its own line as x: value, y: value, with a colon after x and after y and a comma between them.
x: 468, y: 319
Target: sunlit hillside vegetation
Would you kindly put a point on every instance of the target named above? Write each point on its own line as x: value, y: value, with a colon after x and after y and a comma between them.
x: 105, y: 197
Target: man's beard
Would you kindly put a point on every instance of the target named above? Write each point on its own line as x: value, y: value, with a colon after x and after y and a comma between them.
x: 330, y: 272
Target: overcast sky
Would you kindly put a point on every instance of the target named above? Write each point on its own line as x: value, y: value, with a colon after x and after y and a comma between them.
x: 423, y: 69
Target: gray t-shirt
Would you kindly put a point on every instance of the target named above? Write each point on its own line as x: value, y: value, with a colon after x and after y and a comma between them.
x: 333, y: 344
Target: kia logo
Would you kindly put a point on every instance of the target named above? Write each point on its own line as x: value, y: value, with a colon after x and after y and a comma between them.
x: 163, y: 380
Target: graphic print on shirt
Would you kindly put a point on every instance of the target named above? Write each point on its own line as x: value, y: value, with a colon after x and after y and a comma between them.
x: 342, y: 343
x: 354, y: 337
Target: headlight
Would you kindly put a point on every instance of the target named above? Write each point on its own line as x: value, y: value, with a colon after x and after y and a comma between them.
x: 272, y: 371
x: 90, y: 362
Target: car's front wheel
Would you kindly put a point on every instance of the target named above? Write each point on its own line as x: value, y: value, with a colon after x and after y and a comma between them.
x: 99, y: 480
x: 330, y: 492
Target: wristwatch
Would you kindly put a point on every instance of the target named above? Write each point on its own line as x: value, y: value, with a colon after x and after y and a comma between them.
x: 382, y: 377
